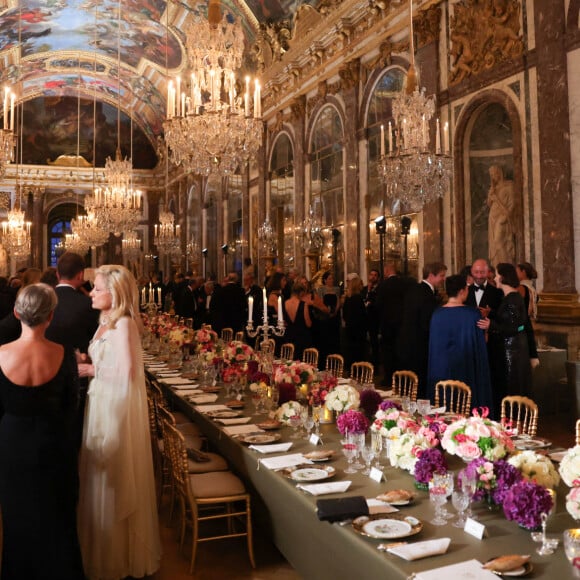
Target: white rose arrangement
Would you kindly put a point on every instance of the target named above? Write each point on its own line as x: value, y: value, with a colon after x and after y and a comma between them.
x: 342, y: 398
x: 570, y: 467
x: 535, y: 467
x: 288, y: 410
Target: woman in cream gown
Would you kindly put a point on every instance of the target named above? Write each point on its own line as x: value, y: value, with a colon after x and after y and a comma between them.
x: 117, y: 513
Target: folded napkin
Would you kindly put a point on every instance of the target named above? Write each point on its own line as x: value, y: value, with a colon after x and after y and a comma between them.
x: 242, y: 429
x: 437, y: 411
x: 282, y: 461
x: 187, y: 387
x: 156, y: 366
x: 236, y: 421
x: 184, y: 392
x: 376, y: 506
x: 197, y: 399
x: 166, y: 374
x: 419, y: 550
x: 210, y: 408
x: 385, y: 394
x: 172, y: 381
x: 324, y: 488
x: 468, y: 570
x: 277, y: 448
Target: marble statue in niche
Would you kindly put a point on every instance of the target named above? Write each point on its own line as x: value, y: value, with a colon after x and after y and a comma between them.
x: 501, y: 201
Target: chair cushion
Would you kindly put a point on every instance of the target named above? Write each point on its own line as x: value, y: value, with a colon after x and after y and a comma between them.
x: 216, y: 484
x: 180, y: 417
x: 189, y: 428
x: 193, y: 442
x: 214, y: 462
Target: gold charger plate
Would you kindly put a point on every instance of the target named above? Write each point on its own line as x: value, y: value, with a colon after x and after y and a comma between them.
x: 270, y: 425
x: 387, y: 526
x: 259, y: 438
x: 309, y: 473
x: 517, y: 573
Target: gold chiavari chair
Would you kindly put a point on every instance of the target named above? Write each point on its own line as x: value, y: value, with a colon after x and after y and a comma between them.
x: 221, y: 491
x: 239, y: 336
x: 577, y: 440
x: 310, y: 356
x: 405, y: 384
x: 227, y: 334
x: 362, y: 372
x: 521, y: 414
x: 455, y: 395
x: 267, y: 346
x: 335, y: 365
x: 287, y: 351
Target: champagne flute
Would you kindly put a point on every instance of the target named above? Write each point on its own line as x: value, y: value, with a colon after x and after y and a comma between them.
x: 368, y: 454
x: 377, y: 444
x: 469, y: 486
x: 438, y: 497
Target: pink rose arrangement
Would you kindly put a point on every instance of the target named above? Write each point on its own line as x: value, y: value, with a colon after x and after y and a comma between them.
x: 353, y: 422
x: 318, y: 392
x: 392, y: 422
x: 294, y: 373
x: 205, y: 339
x: 237, y: 352
x: 477, y: 436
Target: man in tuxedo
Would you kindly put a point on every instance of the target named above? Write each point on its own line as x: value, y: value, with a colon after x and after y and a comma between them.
x: 75, y: 321
x: 420, y: 302
x: 228, y: 305
x: 369, y: 295
x: 482, y: 294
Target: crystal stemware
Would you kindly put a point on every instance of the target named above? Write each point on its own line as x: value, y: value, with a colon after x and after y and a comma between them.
x: 368, y: 454
x: 377, y: 444
x: 316, y: 410
x: 349, y: 450
x: 445, y: 480
x: 438, y: 497
x: 295, y: 422
x: 572, y: 549
x: 469, y: 486
x: 460, y: 501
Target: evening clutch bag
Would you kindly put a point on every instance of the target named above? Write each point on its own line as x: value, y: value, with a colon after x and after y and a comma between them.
x: 342, y: 508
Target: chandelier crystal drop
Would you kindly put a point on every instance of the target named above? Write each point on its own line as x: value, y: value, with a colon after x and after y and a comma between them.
x: 414, y: 173
x: 167, y: 239
x: 210, y: 127
x: 117, y: 205
x: 16, y: 234
x: 267, y: 238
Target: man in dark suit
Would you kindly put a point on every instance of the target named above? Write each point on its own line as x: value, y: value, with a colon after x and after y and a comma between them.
x: 369, y: 295
x: 481, y: 293
x: 420, y: 302
x: 228, y: 305
x: 75, y: 321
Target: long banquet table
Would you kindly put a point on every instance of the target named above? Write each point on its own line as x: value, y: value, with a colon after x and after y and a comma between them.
x: 322, y: 550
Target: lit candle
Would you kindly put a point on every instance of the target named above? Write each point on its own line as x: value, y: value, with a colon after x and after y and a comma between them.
x: 280, y: 313
x: 250, y: 308
x: 256, y: 99
x: 159, y: 296
x: 424, y: 132
x: 446, y: 137
x: 265, y: 298
x: 182, y: 104
x: 143, y: 295
x: 178, y: 95
x: 390, y: 138
x: 438, y: 138
x: 12, y: 97
x: 382, y: 141
x: 247, y: 98
x: 6, y: 91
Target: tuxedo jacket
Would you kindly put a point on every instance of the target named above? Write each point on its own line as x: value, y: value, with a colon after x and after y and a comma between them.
x: 75, y: 321
x: 491, y: 298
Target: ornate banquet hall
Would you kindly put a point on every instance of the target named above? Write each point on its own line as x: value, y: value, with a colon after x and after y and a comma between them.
x: 319, y: 135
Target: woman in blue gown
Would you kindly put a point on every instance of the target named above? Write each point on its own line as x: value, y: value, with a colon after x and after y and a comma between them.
x: 457, y: 348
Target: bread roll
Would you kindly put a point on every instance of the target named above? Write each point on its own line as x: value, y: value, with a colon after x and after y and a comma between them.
x: 395, y: 495
x: 506, y: 563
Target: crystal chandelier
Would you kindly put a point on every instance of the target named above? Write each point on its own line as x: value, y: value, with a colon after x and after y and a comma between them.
x: 413, y: 172
x: 7, y: 136
x: 210, y: 128
x: 313, y: 238
x: 16, y: 234
x: 193, y: 253
x: 87, y: 229
x: 267, y: 237
x: 167, y: 238
x: 131, y: 246
x: 74, y: 243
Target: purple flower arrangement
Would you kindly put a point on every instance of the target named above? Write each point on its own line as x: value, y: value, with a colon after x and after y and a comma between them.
x: 494, y: 478
x: 430, y: 461
x: 385, y: 405
x: 353, y: 422
x: 370, y: 401
x: 525, y: 502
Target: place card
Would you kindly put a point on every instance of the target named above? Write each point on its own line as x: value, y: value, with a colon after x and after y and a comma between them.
x: 283, y: 461
x: 475, y: 529
x: 469, y: 570
x: 376, y: 474
x: 315, y: 439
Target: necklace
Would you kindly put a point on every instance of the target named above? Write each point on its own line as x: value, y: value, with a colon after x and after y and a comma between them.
x: 104, y: 321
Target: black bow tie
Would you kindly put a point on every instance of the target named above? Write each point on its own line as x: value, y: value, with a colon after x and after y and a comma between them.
x: 478, y: 288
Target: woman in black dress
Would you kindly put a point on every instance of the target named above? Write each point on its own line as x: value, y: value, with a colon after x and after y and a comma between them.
x: 327, y: 337
x: 355, y: 320
x: 38, y: 467
x: 298, y: 321
x: 508, y: 339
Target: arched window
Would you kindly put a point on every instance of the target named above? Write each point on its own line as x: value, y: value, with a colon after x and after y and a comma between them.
x: 282, y: 208
x: 58, y: 226
x: 327, y: 182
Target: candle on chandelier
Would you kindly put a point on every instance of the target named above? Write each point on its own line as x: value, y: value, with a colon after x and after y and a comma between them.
x: 250, y: 308
x: 424, y: 132
x: 405, y: 142
x: 280, y: 312
x: 192, y: 90
x: 182, y: 112
x: 257, y: 112
x: 12, y: 97
x: 178, y: 95
x: 212, y: 87
x: 390, y: 138
x: 382, y: 140
x: 170, y: 100
x: 446, y: 138
x: 265, y: 299
x: 6, y: 93
x: 143, y: 295
x: 247, y: 98
x: 438, y: 138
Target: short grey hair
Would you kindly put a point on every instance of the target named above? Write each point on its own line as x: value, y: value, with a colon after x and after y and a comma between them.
x: 35, y: 303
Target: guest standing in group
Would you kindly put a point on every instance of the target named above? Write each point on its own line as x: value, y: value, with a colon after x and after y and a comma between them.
x: 511, y: 368
x: 482, y: 294
x: 457, y: 348
x: 355, y: 321
x: 328, y: 324
x: 369, y: 295
x: 118, y: 527
x: 526, y: 275
x: 420, y: 302
x: 297, y: 319
x: 38, y: 467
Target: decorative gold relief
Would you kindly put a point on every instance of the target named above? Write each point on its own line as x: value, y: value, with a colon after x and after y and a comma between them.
x: 427, y: 26
x: 483, y: 35
x: 298, y: 108
x: 349, y: 74
x: 319, y: 98
x: 272, y: 43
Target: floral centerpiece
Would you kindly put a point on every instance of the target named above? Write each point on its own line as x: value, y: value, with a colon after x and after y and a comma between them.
x: 391, y: 422
x: 493, y: 479
x: 536, y: 467
x: 288, y: 410
x: 370, y: 400
x: 342, y: 398
x: 570, y: 472
x: 404, y: 451
x: 237, y: 352
x: 477, y: 436
x: 525, y: 502
x: 205, y: 339
x: 318, y: 392
x: 180, y: 335
x: 233, y: 373
x: 430, y: 461
x: 259, y: 380
x: 295, y: 373
x: 353, y: 422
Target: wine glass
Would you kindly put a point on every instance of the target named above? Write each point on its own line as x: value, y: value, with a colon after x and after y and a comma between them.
x: 359, y: 440
x: 368, y: 454
x: 469, y: 486
x: 349, y: 450
x: 423, y: 406
x: 377, y: 444
x: 548, y: 545
x: 445, y: 480
x: 316, y: 410
x: 572, y: 548
x: 308, y: 426
x: 406, y: 403
x: 295, y: 421
x: 460, y: 501
x: 256, y: 400
x: 438, y: 497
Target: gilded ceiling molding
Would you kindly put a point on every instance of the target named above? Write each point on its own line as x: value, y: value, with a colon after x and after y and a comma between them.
x: 427, y: 25
x: 318, y: 99
x: 5, y: 200
x: 385, y: 56
x: 483, y: 36
x: 272, y: 43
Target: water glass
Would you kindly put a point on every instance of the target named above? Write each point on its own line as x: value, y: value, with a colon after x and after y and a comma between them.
x: 377, y: 445
x: 406, y: 403
x: 445, y: 480
x: 460, y: 501
x: 469, y: 487
x: 423, y: 406
x: 572, y: 549
x: 349, y: 449
x: 295, y: 422
x: 368, y: 454
x: 438, y: 497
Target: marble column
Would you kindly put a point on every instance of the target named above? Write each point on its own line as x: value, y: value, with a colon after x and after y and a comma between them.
x: 36, y: 215
x: 301, y: 203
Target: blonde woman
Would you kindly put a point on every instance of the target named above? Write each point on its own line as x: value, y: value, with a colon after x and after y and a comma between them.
x: 118, y: 527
